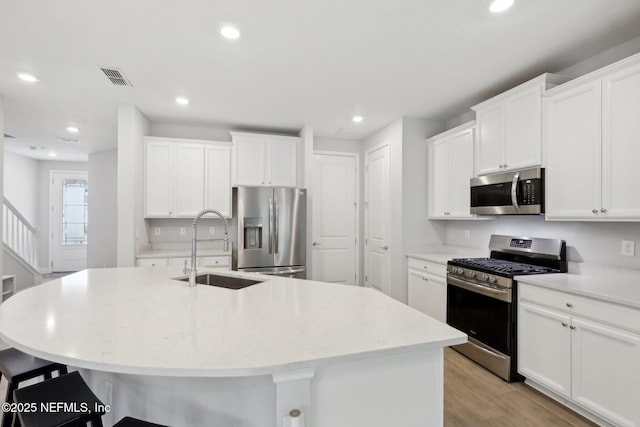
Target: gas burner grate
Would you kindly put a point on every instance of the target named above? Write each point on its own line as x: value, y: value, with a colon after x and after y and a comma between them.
x: 501, y: 266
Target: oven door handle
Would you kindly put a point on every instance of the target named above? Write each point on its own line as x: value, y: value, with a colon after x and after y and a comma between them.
x: 514, y: 191
x: 500, y: 294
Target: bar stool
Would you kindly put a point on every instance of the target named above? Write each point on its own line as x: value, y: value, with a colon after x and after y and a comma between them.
x: 67, y: 400
x: 133, y: 422
x: 17, y: 366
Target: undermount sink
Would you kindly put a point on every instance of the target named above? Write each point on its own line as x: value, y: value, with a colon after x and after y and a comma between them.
x: 222, y: 281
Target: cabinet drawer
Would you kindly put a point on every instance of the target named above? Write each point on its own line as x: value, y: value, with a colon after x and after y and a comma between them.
x: 213, y: 261
x: 427, y: 267
x: 152, y: 262
x: 606, y: 312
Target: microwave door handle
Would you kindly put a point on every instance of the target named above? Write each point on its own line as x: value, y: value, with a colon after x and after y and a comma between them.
x: 514, y: 191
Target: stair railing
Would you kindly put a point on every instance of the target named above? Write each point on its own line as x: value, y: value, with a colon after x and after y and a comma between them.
x: 19, y: 235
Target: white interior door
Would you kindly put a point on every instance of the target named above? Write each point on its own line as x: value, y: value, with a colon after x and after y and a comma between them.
x: 377, y: 220
x: 335, y: 216
x: 68, y: 222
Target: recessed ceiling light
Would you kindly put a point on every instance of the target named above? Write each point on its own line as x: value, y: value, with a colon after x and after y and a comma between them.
x: 230, y: 32
x: 498, y: 6
x: 73, y: 129
x: 28, y: 77
x: 357, y: 119
x: 52, y: 154
x: 182, y: 100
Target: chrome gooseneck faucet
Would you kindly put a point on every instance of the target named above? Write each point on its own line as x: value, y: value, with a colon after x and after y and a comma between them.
x: 194, y: 239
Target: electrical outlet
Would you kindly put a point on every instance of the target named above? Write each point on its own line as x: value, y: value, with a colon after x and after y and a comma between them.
x: 183, y: 231
x: 467, y: 234
x: 212, y: 230
x: 628, y: 247
x: 157, y: 231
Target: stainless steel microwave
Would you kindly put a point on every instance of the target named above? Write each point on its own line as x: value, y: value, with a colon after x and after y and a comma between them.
x: 519, y: 192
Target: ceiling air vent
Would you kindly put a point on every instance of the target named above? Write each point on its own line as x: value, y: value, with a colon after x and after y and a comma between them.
x: 64, y: 139
x: 116, y: 77
x: 6, y: 135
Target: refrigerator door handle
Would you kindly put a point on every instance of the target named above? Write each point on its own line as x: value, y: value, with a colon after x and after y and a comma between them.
x: 270, y: 225
x: 275, y: 226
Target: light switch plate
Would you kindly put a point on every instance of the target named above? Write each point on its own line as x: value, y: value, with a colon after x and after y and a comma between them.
x: 183, y: 231
x: 212, y: 230
x: 628, y: 247
x: 156, y: 231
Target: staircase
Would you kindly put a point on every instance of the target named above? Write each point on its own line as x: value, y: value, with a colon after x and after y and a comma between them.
x: 20, y: 247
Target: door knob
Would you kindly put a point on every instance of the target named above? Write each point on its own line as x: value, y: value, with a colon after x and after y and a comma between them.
x: 385, y: 247
x: 316, y: 243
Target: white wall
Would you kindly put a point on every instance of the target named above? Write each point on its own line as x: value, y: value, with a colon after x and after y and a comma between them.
x: 1, y: 169
x: 132, y: 231
x: 43, y: 190
x: 103, y: 198
x: 20, y: 180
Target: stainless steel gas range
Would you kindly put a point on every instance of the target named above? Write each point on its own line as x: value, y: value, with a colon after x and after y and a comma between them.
x: 482, y: 295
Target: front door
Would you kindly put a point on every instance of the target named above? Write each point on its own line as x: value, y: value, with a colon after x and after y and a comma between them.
x: 68, y: 222
x: 335, y: 216
x: 377, y: 220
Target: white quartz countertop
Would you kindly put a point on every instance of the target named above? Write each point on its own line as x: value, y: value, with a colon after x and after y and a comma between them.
x: 138, y: 320
x: 180, y: 252
x: 442, y: 254
x: 621, y: 289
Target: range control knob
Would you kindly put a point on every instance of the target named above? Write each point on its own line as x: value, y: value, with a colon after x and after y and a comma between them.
x: 485, y: 276
x: 492, y: 279
x: 473, y: 275
x: 459, y: 270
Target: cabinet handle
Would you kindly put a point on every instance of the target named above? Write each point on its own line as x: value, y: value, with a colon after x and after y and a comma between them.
x: 565, y: 324
x: 603, y: 210
x: 425, y: 267
x: 594, y: 211
x: 505, y: 165
x: 569, y: 305
x: 425, y: 279
x: 572, y: 327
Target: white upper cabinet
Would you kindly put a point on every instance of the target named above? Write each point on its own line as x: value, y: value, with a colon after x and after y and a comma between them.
x: 591, y: 130
x: 265, y: 160
x: 182, y: 177
x: 450, y: 169
x: 509, y: 127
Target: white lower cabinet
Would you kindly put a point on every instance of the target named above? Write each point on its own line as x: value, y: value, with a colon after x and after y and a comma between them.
x: 427, y: 288
x: 581, y: 349
x: 201, y: 261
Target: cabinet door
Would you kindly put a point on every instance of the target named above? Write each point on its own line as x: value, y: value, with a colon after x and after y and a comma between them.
x: 460, y: 173
x: 491, y: 139
x: 544, y: 347
x: 418, y: 291
x: 249, y: 160
x: 189, y: 183
x: 281, y: 167
x: 621, y: 144
x: 439, y: 179
x: 606, y: 374
x: 572, y: 140
x: 437, y: 298
x: 523, y: 141
x: 217, y: 184
x: 159, y: 179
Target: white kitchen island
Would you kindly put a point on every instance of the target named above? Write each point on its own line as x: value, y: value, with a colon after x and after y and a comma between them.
x: 208, y: 356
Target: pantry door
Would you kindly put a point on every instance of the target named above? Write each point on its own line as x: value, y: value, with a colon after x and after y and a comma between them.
x: 68, y: 221
x: 335, y: 218
x: 377, y: 220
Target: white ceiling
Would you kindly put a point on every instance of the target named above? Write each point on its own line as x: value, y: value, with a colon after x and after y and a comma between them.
x: 297, y: 62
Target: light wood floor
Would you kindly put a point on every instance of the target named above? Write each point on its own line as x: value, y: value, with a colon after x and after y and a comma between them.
x: 474, y: 397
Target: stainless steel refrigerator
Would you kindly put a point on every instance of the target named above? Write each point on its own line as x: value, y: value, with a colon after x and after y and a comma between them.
x: 269, y: 229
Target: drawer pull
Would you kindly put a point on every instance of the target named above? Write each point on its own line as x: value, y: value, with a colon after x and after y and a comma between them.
x: 425, y: 267
x: 569, y: 305
x: 565, y: 324
x: 572, y: 327
x: 425, y: 279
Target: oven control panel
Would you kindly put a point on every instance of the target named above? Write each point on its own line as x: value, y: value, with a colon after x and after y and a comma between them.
x: 479, y: 277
